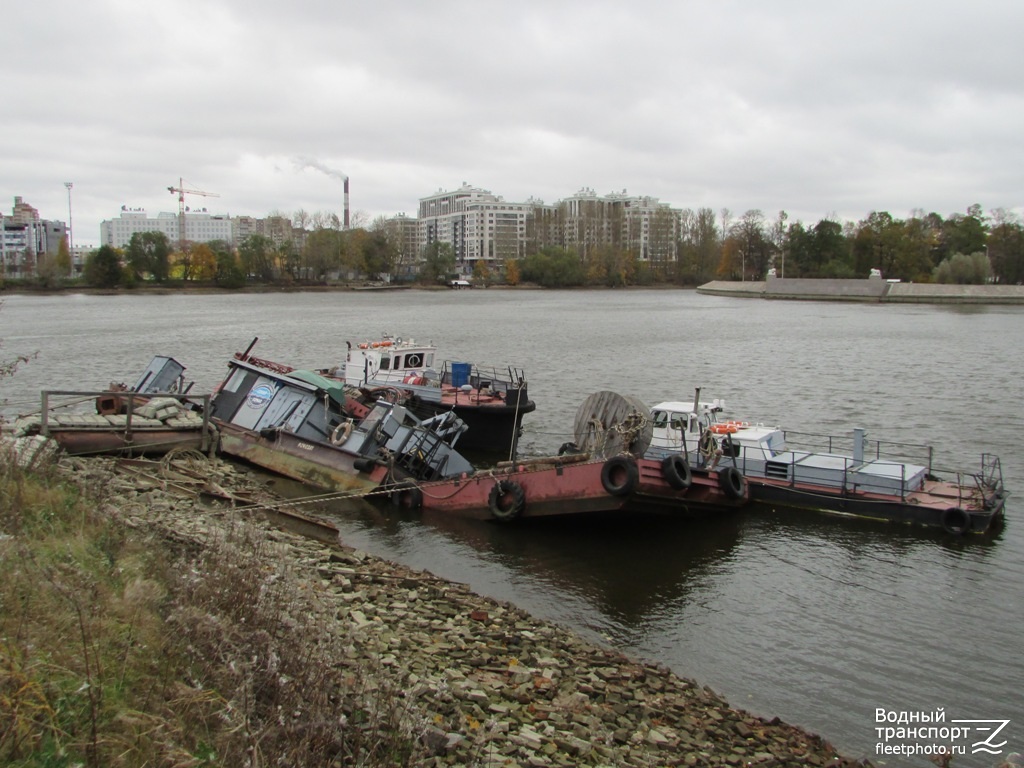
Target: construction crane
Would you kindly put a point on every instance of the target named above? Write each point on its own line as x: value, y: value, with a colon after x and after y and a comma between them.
x: 181, y: 192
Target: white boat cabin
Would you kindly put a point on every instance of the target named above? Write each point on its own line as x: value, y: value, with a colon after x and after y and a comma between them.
x: 390, y: 360
x: 761, y: 451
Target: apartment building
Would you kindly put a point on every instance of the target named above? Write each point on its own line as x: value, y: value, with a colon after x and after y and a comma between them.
x: 478, y: 225
x: 201, y: 226
x: 26, y: 240
x: 482, y: 226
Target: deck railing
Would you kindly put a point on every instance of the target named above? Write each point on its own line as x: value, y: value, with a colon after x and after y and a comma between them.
x: 130, y: 398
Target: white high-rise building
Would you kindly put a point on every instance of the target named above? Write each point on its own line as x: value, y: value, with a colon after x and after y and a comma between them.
x: 479, y: 225
x: 200, y: 226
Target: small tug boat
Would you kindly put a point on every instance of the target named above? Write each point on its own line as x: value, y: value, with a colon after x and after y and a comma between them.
x: 859, y: 482
x: 491, y: 401
x: 297, y: 424
x: 604, y: 471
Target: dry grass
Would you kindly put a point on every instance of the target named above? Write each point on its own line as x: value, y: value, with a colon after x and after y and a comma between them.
x: 121, y: 650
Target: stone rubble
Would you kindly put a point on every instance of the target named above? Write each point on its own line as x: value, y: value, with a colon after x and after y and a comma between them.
x: 493, y: 685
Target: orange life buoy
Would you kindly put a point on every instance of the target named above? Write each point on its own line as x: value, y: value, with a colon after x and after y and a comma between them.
x: 723, y: 429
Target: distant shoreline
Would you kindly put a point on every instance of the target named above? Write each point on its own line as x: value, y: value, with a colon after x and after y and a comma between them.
x: 782, y: 289
x: 870, y: 290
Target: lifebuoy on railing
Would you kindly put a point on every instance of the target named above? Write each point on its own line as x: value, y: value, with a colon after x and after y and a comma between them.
x: 506, y: 501
x: 620, y: 475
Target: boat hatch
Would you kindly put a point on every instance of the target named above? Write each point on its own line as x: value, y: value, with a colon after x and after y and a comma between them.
x: 164, y: 374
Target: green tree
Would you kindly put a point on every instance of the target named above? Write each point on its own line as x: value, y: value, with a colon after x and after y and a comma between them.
x: 149, y: 253
x: 321, y: 254
x: 228, y: 272
x: 256, y: 253
x: 379, y: 255
x: 103, y: 268
x: 965, y: 233
x: 961, y: 269
x: 438, y: 262
x: 63, y: 259
x: 1006, y: 248
x: 830, y: 250
x: 553, y: 267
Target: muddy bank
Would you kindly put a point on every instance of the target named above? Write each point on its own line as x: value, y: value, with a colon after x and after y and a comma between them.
x: 486, y: 683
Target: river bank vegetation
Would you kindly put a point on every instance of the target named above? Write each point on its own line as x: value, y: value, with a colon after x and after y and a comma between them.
x: 968, y: 248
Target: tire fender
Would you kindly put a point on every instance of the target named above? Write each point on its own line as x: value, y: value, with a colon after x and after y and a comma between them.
x: 732, y: 482
x: 620, y: 475
x: 956, y: 521
x: 676, y: 471
x: 506, y: 501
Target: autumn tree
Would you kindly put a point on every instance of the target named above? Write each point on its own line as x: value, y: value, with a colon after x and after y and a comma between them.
x: 481, y: 272
x: 512, y: 273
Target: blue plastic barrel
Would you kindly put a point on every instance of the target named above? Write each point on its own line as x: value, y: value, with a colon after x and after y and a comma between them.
x: 460, y: 374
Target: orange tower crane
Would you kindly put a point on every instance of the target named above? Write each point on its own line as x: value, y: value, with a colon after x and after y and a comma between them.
x: 182, y: 191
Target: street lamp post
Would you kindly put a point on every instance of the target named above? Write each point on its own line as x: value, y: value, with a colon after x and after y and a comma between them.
x: 71, y: 232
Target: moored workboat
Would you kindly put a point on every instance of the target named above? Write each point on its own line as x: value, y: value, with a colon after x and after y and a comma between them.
x: 865, y: 480
x: 492, y: 401
x: 606, y: 474
x: 296, y: 423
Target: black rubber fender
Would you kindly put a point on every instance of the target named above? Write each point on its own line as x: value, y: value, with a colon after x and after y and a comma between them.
x: 676, y: 471
x: 620, y: 475
x: 407, y: 496
x: 956, y: 521
x: 732, y: 482
x: 506, y: 501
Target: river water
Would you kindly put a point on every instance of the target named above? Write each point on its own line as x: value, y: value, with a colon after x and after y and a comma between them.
x: 820, y: 621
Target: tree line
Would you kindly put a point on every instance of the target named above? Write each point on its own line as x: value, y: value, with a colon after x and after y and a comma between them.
x: 968, y: 247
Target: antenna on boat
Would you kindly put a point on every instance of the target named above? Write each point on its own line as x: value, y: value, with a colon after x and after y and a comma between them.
x: 696, y: 399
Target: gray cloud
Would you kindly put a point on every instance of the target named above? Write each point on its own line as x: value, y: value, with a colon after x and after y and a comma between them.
x: 816, y: 108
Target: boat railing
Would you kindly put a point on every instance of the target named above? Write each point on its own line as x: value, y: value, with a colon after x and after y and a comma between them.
x: 483, y: 376
x: 991, y: 477
x: 874, y: 450
x: 847, y: 479
x: 130, y: 399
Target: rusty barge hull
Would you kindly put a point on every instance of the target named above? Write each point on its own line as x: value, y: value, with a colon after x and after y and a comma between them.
x: 559, y: 487
x: 139, y: 443
x: 315, y: 464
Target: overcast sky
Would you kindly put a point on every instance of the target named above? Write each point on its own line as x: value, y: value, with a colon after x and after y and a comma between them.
x: 821, y: 109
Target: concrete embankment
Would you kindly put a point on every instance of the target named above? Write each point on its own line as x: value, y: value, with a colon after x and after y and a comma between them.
x: 871, y: 290
x: 486, y: 683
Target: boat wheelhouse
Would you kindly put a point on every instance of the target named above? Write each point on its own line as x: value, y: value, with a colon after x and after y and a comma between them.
x: 491, y: 400
x: 295, y: 423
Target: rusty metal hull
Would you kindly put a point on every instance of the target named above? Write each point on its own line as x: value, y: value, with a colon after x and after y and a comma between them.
x: 81, y: 442
x: 552, y: 488
x: 317, y: 464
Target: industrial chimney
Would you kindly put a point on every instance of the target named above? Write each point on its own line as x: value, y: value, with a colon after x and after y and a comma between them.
x: 346, y: 202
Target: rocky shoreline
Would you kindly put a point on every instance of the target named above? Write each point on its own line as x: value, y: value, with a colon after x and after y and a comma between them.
x: 488, y: 684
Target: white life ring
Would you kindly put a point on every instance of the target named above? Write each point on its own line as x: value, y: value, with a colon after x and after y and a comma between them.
x: 341, y: 432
